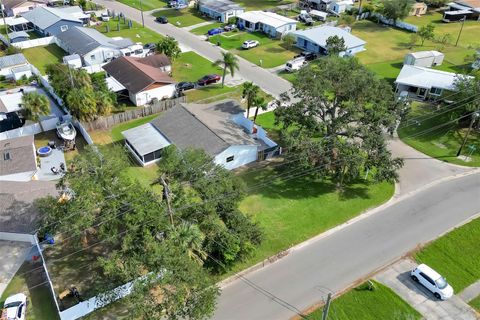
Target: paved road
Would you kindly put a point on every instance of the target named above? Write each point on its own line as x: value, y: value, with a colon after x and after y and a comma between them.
x: 354, y: 252
x: 397, y: 277
x: 269, y: 82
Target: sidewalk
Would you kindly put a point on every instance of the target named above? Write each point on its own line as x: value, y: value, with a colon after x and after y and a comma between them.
x: 397, y: 277
x: 470, y: 292
x: 198, y: 25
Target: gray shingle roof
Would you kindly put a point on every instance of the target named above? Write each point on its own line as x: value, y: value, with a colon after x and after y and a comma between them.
x: 82, y: 40
x: 17, y: 155
x: 319, y: 35
x: 18, y: 34
x: 12, y: 60
x: 44, y: 17
x: 220, y: 6
x: 203, y: 126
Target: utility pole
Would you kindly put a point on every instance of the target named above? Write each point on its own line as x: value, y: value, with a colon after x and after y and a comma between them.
x: 4, y: 22
x: 461, y: 29
x: 141, y: 10
x: 360, y: 7
x: 327, y: 307
x: 474, y: 116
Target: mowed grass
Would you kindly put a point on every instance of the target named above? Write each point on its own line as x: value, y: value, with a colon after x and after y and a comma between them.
x: 117, y: 28
x: 475, y: 303
x: 182, y: 18
x: 456, y: 255
x: 40, y: 57
x: 204, y: 29
x: 145, y: 5
x: 40, y: 302
x: 293, y: 210
x: 269, y: 53
x: 363, y: 304
x: 262, y: 4
x: 443, y: 142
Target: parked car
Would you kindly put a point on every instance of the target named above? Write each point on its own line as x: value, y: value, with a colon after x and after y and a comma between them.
x: 305, y: 18
x: 172, y: 4
x: 182, y: 86
x: 250, y: 44
x: 181, y: 6
x: 295, y: 64
x: 208, y: 79
x: 230, y: 27
x: 105, y: 17
x: 15, y: 307
x: 214, y: 31
x: 149, y: 46
x: 161, y: 19
x: 309, y: 56
x: 433, y: 281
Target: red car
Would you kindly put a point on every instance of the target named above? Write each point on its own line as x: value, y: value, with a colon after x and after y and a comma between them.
x: 211, y: 78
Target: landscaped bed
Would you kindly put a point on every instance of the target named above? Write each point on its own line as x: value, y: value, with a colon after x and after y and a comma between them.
x: 40, y: 57
x: 363, y: 304
x: 456, y: 255
x: 442, y: 143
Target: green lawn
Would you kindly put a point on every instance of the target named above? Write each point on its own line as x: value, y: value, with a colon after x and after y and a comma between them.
x: 456, y: 255
x: 475, y: 303
x: 442, y: 143
x: 182, y: 18
x: 204, y: 29
x: 40, y: 302
x: 145, y: 5
x: 40, y: 57
x: 363, y: 304
x: 137, y: 33
x: 270, y: 53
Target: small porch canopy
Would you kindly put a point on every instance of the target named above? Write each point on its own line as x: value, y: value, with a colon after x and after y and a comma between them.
x: 18, y: 24
x: 114, y: 85
x: 145, y: 142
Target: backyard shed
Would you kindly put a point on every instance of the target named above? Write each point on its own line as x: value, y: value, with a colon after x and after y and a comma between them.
x: 145, y: 143
x: 73, y: 60
x: 424, y: 58
x: 11, y: 62
x: 318, y: 15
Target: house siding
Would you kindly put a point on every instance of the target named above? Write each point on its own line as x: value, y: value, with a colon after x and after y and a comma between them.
x: 242, y: 155
x: 268, y: 29
x: 310, y: 46
x: 220, y: 16
x: 100, y: 55
x: 146, y: 96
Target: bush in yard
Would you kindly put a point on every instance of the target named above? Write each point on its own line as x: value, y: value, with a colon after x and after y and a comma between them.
x: 426, y: 32
x: 396, y: 9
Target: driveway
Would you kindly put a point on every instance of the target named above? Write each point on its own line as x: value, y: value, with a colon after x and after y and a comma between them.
x: 269, y: 82
x: 397, y: 277
x: 12, y: 255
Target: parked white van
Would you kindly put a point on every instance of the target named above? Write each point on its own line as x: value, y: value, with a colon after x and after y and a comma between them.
x: 295, y: 64
x: 433, y: 281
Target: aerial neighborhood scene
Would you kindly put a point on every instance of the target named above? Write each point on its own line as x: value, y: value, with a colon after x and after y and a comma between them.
x: 240, y: 159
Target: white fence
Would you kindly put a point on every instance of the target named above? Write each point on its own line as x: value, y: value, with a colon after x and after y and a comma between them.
x: 20, y: 237
x: 400, y: 24
x: 34, y: 42
x: 95, y: 68
x: 22, y: 131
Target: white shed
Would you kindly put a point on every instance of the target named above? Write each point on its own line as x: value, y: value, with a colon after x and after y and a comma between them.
x: 73, y: 61
x: 424, y: 58
x: 319, y: 15
x: 21, y: 72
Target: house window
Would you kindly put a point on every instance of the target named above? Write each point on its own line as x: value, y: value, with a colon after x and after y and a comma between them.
x: 436, y: 91
x: 6, y: 156
x: 92, y: 57
x: 230, y: 159
x: 64, y: 28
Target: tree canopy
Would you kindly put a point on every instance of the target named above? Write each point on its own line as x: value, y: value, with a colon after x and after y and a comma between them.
x: 335, y: 45
x: 338, y: 120
x: 229, y: 62
x: 467, y: 93
x: 426, y: 32
x: 396, y: 9
x: 169, y: 47
x: 35, y: 105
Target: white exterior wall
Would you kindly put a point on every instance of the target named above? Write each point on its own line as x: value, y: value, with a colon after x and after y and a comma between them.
x: 22, y: 176
x: 242, y: 156
x: 287, y: 28
x: 352, y: 51
x: 20, y: 237
x: 100, y: 55
x: 144, y: 97
x: 34, y: 42
x: 19, y: 74
x: 7, y: 72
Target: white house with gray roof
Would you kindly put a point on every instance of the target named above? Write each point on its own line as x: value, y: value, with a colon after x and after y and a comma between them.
x: 220, y: 129
x: 315, y: 40
x: 9, y: 65
x: 269, y: 23
x: 48, y: 21
x: 221, y: 10
x: 92, y: 46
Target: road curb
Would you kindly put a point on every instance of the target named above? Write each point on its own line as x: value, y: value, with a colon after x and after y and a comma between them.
x: 393, y: 200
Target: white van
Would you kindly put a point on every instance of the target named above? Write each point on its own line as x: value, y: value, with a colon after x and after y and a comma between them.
x: 295, y: 64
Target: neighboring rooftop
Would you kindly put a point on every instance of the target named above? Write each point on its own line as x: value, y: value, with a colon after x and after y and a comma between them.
x: 12, y: 60
x: 427, y: 78
x: 220, y: 5
x: 269, y: 18
x: 9, y: 4
x: 18, y: 34
x: 44, y: 17
x: 82, y: 40
x: 320, y: 34
x: 207, y: 127
x: 17, y: 155
x: 137, y: 74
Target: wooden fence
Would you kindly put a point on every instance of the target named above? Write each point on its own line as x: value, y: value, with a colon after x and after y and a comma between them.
x: 104, y: 123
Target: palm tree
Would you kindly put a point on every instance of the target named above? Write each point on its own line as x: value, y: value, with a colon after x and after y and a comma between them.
x: 189, y: 237
x: 250, y: 92
x: 260, y: 103
x: 228, y: 62
x: 35, y: 105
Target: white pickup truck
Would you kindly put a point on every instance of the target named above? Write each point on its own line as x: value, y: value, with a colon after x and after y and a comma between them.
x: 15, y: 307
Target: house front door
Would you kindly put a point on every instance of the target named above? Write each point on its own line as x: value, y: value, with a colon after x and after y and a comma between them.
x: 422, y: 92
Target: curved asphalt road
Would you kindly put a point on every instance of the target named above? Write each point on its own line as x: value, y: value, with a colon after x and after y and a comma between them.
x: 340, y: 259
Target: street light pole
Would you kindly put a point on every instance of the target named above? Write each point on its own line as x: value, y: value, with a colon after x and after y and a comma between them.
x: 474, y: 116
x: 327, y: 307
x: 141, y: 10
x: 461, y: 29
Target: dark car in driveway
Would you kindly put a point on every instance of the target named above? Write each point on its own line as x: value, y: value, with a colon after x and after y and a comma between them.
x: 309, y: 56
x: 161, y: 19
x: 182, y: 86
x: 208, y: 79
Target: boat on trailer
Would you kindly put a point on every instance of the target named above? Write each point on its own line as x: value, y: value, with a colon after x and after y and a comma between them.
x: 66, y: 131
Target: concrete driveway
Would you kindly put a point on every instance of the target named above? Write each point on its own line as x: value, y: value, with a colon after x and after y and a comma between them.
x: 12, y: 255
x: 397, y: 277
